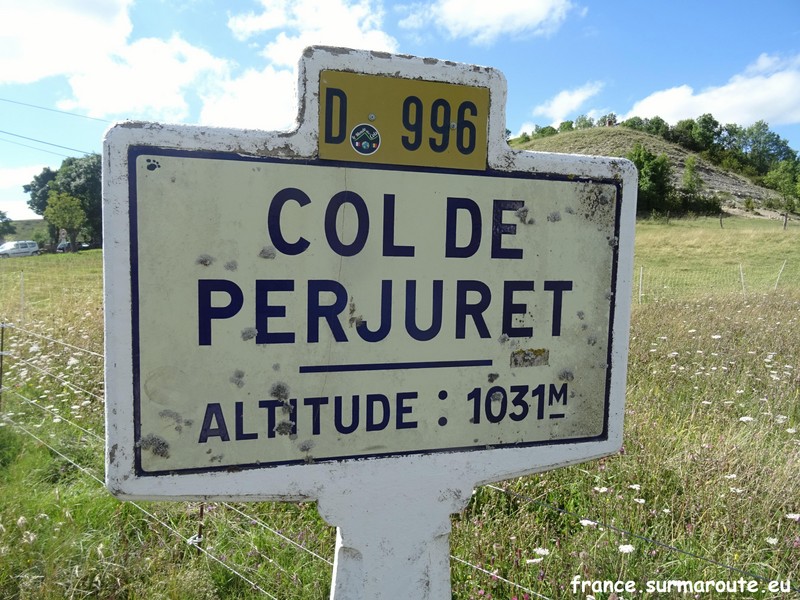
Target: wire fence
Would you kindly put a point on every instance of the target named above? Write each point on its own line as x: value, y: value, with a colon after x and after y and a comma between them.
x: 675, y: 282
x: 29, y: 296
x: 67, y: 360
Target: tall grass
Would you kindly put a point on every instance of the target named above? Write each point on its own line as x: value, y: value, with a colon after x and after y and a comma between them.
x: 706, y: 486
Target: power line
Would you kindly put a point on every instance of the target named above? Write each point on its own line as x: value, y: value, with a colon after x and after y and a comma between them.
x: 43, y: 142
x: 63, y: 112
x: 33, y: 147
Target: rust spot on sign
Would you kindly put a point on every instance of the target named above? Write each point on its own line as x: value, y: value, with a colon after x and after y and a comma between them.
x: 155, y: 444
x: 530, y: 357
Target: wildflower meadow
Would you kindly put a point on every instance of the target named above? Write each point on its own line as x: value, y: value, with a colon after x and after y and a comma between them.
x: 705, y: 488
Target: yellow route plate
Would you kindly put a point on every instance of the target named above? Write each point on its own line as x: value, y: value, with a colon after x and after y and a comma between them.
x: 390, y: 120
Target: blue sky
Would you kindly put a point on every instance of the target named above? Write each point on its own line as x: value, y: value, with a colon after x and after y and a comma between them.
x: 83, y: 64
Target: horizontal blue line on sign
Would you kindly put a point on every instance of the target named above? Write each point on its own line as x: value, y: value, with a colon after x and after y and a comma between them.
x: 436, y: 364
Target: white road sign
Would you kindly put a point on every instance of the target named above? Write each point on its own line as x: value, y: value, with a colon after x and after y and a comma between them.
x: 378, y: 310
x: 276, y: 301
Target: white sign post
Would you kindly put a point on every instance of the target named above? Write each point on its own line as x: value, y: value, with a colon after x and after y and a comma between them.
x: 379, y: 310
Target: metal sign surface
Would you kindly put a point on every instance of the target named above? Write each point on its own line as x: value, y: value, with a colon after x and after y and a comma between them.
x: 321, y: 312
x: 282, y: 306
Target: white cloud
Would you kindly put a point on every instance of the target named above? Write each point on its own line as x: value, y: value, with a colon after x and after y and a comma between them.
x: 274, y: 16
x: 54, y: 37
x: 88, y: 42
x: 13, y: 200
x: 147, y: 79
x: 258, y: 99
x: 302, y: 23
x: 567, y: 102
x: 10, y: 177
x: 484, y: 22
x: 17, y: 209
x: 768, y: 89
x: 266, y: 98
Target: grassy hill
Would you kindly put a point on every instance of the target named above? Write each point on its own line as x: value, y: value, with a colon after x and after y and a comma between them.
x: 27, y: 228
x: 732, y: 189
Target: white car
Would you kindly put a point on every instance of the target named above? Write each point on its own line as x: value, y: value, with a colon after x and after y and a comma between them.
x: 24, y: 248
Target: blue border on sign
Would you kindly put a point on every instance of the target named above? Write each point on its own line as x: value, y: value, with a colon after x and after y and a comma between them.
x: 134, y: 151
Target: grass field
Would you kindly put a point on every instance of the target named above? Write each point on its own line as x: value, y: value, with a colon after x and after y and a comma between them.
x: 705, y: 488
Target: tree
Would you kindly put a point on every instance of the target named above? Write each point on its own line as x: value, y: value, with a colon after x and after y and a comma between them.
x: 565, y: 126
x: 690, y: 194
x: 691, y: 183
x: 6, y: 226
x: 657, y: 126
x: 608, y: 120
x: 65, y: 212
x: 655, y: 187
x: 706, y: 132
x: 546, y: 131
x: 636, y: 123
x: 683, y: 133
x: 81, y: 178
x: 583, y: 122
x: 730, y: 137
x: 765, y: 148
x: 783, y: 178
x: 39, y: 189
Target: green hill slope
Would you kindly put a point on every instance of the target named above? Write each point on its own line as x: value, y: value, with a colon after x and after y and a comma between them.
x: 733, y: 189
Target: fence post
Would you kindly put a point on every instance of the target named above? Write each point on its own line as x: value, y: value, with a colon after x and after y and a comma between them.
x: 22, y: 296
x: 780, y: 273
x: 641, y: 277
x: 2, y: 354
x: 741, y: 276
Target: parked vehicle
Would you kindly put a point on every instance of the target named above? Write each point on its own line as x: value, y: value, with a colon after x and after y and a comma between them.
x: 66, y: 246
x: 22, y: 248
